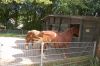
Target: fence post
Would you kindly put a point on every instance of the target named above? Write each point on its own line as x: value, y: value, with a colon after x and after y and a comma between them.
x: 94, y: 49
x: 42, y: 45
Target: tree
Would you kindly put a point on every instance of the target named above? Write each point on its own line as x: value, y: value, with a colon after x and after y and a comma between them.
x: 28, y: 12
x: 93, y: 7
x: 68, y: 7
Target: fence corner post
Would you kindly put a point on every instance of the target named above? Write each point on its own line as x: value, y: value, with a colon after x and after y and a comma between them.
x: 42, y: 45
x: 94, y: 48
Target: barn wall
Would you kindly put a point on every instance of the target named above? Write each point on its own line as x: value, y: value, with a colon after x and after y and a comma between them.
x: 88, y: 30
x: 98, y: 49
x: 88, y: 26
x: 58, y: 22
x: 98, y: 42
x: 75, y: 21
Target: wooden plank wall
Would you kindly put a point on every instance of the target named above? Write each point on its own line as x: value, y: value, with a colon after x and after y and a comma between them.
x: 98, y: 44
x: 88, y: 30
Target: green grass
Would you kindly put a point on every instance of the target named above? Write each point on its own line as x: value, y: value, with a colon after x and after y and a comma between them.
x: 95, y: 61
x: 10, y: 35
x: 74, y: 61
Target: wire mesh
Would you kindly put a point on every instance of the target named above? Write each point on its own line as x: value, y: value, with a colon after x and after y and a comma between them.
x: 64, y: 54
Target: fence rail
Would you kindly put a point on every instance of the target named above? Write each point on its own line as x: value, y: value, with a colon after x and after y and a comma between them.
x: 76, y: 54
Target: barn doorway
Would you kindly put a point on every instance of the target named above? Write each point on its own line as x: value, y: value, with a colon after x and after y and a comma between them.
x: 77, y: 26
x: 76, y: 37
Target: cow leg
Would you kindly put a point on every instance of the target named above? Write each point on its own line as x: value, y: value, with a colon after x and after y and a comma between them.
x: 26, y: 42
x: 26, y: 46
x: 32, y: 44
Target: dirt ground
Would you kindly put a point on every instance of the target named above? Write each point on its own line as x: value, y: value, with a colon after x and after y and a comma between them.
x: 12, y: 52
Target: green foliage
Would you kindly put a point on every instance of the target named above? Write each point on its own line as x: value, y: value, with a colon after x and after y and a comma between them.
x: 29, y: 1
x: 68, y: 7
x: 27, y: 12
x: 44, y: 1
x: 30, y: 12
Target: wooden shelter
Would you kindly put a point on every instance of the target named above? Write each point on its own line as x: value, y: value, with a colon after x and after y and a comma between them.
x: 89, y: 26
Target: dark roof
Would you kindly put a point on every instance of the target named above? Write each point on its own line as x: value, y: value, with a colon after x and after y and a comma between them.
x: 73, y: 17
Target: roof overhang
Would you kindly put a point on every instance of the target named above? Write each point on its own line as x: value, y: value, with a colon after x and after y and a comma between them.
x: 89, y: 18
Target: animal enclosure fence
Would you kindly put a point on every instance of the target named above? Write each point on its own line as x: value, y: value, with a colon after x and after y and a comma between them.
x: 75, y: 54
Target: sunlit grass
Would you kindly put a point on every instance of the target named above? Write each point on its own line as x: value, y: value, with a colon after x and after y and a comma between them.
x: 74, y: 61
x: 8, y: 35
x: 11, y: 35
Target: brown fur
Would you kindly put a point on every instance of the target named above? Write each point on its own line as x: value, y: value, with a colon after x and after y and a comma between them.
x: 52, y: 36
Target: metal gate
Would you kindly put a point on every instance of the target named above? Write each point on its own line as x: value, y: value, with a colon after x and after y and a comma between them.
x: 72, y: 54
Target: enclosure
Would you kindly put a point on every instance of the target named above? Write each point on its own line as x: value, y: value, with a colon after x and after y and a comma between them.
x: 80, y: 52
x: 76, y: 54
x: 89, y: 27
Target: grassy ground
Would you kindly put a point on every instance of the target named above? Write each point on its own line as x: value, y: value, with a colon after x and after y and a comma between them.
x: 7, y: 35
x: 74, y: 61
x: 11, y: 35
